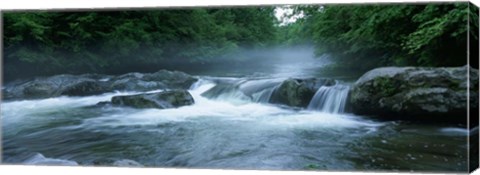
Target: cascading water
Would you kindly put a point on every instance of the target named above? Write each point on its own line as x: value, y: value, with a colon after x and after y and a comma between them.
x: 264, y: 95
x: 330, y: 99
x: 242, y: 91
x: 216, y: 133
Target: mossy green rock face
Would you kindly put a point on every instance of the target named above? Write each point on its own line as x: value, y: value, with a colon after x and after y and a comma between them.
x: 160, y: 100
x: 298, y: 92
x: 434, y: 94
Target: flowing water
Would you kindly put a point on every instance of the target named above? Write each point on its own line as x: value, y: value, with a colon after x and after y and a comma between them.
x: 230, y: 126
x: 330, y: 99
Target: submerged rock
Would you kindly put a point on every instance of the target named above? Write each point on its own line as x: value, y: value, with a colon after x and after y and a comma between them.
x: 39, y: 159
x: 227, y: 92
x: 438, y: 94
x: 160, y: 100
x: 298, y: 92
x: 127, y: 163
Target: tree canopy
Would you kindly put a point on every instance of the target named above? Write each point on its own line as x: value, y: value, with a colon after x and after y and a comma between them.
x: 367, y: 36
x: 359, y: 36
x: 103, y: 41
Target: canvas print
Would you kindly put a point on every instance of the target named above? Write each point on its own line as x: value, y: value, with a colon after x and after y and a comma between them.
x: 321, y: 87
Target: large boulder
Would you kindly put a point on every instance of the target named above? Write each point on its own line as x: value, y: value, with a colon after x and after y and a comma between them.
x: 298, y: 92
x: 416, y: 93
x: 160, y: 100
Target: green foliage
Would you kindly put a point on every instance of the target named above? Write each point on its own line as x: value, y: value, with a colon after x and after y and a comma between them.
x: 109, y: 41
x: 358, y: 37
x: 367, y: 36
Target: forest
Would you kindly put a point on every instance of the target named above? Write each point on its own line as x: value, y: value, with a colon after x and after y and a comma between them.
x: 357, y: 37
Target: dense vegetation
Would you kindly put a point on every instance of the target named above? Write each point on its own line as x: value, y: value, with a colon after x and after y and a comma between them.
x: 122, y: 41
x: 356, y: 36
x: 366, y: 36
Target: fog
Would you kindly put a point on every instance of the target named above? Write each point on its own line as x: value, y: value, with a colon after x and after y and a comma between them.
x: 274, y: 61
x: 297, y: 61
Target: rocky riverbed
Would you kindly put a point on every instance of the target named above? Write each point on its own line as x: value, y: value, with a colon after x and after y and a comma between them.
x: 389, y: 119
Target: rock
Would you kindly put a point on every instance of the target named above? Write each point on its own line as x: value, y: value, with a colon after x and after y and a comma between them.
x: 173, y: 79
x: 38, y: 89
x: 415, y: 93
x: 84, y: 87
x: 103, y: 103
x: 45, y: 87
x: 162, y: 79
x: 39, y: 159
x: 134, y: 84
x: 92, y: 84
x: 298, y: 92
x: 228, y: 92
x: 127, y: 163
x: 160, y: 100
x: 99, y: 77
x: 130, y: 75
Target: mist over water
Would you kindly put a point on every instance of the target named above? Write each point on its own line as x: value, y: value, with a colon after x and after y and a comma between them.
x: 299, y: 61
x: 230, y: 126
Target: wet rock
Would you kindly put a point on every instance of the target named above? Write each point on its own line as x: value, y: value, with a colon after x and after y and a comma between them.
x: 39, y: 159
x: 298, y: 92
x: 415, y: 93
x: 103, y: 103
x: 162, y: 79
x: 84, y: 88
x: 160, y: 100
x: 92, y: 84
x: 173, y: 79
x: 45, y: 87
x: 38, y: 89
x: 133, y: 84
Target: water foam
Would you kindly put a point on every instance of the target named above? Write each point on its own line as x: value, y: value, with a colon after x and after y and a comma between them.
x: 204, y: 108
x: 39, y: 159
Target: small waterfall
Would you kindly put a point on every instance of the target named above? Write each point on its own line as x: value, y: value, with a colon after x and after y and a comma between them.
x: 199, y: 83
x: 264, y: 95
x: 227, y: 92
x: 330, y: 99
x: 243, y: 90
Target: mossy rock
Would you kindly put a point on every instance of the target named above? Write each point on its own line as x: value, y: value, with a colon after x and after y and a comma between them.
x: 160, y: 100
x: 416, y: 93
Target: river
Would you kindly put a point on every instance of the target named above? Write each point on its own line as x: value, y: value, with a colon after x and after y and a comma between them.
x: 225, y: 130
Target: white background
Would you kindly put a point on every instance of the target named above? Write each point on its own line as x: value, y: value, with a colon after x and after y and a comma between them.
x: 88, y: 4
